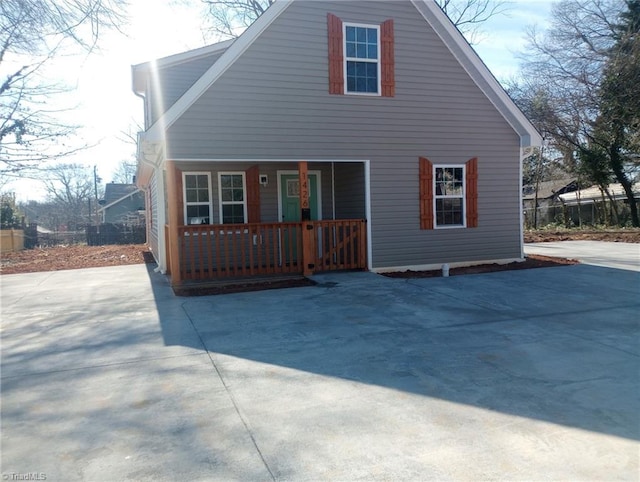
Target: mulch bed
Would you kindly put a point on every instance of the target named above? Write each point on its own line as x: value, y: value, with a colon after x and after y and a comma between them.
x: 532, y: 261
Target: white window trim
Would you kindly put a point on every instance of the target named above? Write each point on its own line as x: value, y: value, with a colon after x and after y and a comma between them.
x: 184, y: 194
x: 378, y: 61
x: 444, y: 196
x: 244, y: 193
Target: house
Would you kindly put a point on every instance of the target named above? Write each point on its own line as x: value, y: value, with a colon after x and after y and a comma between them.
x: 594, y: 205
x: 122, y: 203
x: 545, y: 201
x: 330, y: 135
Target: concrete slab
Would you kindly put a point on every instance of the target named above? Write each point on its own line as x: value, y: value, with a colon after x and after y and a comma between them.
x: 106, y: 375
x: 596, y: 253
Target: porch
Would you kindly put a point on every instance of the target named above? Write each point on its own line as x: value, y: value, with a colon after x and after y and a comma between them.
x: 272, y: 219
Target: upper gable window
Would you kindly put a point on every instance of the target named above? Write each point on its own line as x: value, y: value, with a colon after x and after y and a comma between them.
x: 361, y: 58
x: 362, y: 54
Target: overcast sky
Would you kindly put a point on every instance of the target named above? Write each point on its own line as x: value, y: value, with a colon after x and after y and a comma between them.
x: 106, y: 106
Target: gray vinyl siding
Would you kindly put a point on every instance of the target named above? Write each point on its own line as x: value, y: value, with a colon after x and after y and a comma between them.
x: 273, y: 103
x: 349, y: 191
x: 153, y: 228
x: 174, y: 80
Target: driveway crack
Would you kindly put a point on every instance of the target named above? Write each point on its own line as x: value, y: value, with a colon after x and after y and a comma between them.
x: 230, y: 394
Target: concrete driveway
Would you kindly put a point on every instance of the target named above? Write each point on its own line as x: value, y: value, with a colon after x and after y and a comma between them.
x: 516, y: 375
x: 596, y: 253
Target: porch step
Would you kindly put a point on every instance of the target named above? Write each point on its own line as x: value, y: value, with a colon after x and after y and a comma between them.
x: 241, y: 285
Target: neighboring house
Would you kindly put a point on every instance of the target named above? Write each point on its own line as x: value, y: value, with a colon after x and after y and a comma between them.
x: 540, y: 209
x: 330, y: 135
x: 122, y: 203
x: 548, y: 192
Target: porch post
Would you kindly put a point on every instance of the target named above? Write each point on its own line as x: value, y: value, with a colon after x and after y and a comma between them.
x: 174, y: 221
x: 307, y: 227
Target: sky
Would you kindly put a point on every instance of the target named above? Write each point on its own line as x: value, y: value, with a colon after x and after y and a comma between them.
x: 106, y: 108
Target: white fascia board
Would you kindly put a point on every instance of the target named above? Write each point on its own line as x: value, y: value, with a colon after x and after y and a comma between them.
x: 157, y: 131
x: 477, y: 70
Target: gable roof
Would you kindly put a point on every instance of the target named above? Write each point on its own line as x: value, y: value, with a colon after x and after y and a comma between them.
x: 433, y: 15
x: 549, y: 189
x: 139, y: 71
x: 115, y: 193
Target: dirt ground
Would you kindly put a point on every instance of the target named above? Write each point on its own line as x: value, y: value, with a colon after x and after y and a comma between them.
x: 72, y: 257
x: 81, y: 256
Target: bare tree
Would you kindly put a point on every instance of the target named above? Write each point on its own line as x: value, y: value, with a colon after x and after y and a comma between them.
x: 32, y: 33
x: 229, y: 18
x: 564, y: 70
x: 125, y: 172
x: 70, y: 189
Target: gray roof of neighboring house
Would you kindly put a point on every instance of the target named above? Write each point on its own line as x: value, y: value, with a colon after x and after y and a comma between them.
x: 594, y: 193
x: 549, y: 189
x: 114, y: 193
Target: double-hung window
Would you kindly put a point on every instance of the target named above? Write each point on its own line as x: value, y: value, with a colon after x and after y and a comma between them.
x: 362, y: 58
x: 197, y: 197
x: 449, y: 196
x: 233, y: 201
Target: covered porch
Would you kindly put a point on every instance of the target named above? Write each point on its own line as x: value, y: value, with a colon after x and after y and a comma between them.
x: 234, y: 221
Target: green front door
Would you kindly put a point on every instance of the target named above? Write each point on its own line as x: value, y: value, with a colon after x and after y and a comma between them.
x: 290, y: 197
x: 290, y: 203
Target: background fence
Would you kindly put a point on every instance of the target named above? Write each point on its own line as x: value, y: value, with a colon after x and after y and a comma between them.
x: 587, y: 214
x: 115, y: 234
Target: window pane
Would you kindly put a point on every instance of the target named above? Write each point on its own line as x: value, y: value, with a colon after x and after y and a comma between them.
x: 372, y: 35
x: 351, y: 34
x: 361, y: 51
x: 372, y: 51
x: 351, y: 84
x: 202, y: 182
x: 192, y: 196
x: 361, y: 84
x: 238, y: 195
x: 351, y: 49
x: 203, y: 195
x: 361, y: 34
x: 372, y: 85
x: 237, y: 181
x: 227, y: 195
x: 189, y: 181
x: 225, y: 181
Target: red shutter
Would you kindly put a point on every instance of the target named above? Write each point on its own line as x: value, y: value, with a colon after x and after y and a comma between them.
x: 426, y: 194
x: 253, y: 194
x: 388, y: 62
x: 472, y: 192
x: 180, y: 196
x: 336, y: 69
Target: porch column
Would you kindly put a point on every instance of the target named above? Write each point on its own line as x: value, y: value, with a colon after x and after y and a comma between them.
x: 173, y: 246
x: 308, y: 248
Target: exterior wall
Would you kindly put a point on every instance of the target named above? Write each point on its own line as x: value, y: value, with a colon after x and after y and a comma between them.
x: 274, y: 103
x: 175, y: 80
